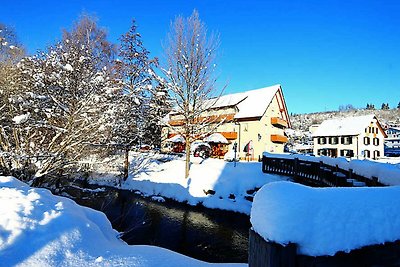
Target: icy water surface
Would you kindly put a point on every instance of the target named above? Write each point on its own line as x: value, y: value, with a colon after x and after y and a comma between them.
x: 205, y: 234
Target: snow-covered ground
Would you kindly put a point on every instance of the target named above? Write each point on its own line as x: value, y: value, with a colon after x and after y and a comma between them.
x: 387, y: 171
x: 40, y: 229
x: 323, y: 221
x: 163, y: 175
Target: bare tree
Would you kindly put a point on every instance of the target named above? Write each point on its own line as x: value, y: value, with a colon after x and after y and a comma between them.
x: 190, y: 66
x: 62, y: 104
x: 11, y: 51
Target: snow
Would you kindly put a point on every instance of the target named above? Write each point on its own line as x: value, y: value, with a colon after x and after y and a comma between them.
x: 176, y: 139
x: 388, y: 174
x: 344, y: 126
x: 323, y: 221
x: 21, y: 118
x: 194, y: 145
x: 164, y: 176
x: 216, y: 138
x: 158, y: 199
x: 225, y: 100
x: 40, y: 229
x: 257, y: 102
x: 251, y: 103
x: 68, y: 67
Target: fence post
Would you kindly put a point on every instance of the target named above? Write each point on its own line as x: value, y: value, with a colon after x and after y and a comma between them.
x: 264, y: 164
x: 263, y: 253
x: 296, y: 168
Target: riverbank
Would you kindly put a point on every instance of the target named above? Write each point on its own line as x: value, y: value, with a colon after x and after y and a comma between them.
x: 40, y: 229
x: 213, y: 183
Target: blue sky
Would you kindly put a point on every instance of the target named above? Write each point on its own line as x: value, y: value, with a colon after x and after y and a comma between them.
x: 323, y: 53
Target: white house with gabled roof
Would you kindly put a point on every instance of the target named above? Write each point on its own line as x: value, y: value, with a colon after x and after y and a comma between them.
x: 255, y: 120
x: 359, y: 137
x: 393, y: 137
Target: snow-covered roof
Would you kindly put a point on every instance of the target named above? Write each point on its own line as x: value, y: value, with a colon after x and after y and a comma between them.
x: 226, y: 100
x: 344, y: 126
x: 256, y: 102
x: 250, y: 104
x: 176, y: 139
x: 216, y: 138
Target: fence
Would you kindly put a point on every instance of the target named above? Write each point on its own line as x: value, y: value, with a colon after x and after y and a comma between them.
x: 315, y: 173
x: 266, y: 253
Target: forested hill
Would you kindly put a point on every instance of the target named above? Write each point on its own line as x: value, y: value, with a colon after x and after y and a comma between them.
x: 304, y: 121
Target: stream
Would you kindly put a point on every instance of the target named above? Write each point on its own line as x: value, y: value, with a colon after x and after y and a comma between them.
x: 205, y: 234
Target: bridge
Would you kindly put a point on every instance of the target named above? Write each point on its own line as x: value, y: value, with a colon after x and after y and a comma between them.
x: 315, y: 173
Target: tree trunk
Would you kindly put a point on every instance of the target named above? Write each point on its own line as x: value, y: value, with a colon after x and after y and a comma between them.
x: 187, y: 151
x: 126, y: 164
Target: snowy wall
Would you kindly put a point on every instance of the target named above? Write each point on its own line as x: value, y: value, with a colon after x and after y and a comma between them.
x: 388, y: 174
x: 323, y: 221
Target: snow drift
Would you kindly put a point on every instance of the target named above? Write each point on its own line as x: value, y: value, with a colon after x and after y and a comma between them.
x: 40, y: 229
x: 323, y: 221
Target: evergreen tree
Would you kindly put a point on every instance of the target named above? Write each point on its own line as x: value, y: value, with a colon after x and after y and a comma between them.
x: 136, y: 73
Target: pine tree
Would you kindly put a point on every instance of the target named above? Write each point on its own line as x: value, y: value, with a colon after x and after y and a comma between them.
x: 136, y: 73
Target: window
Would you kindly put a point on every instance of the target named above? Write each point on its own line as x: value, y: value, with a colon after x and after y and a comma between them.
x: 334, y: 140
x: 347, y: 153
x: 322, y: 152
x: 366, y: 140
x: 346, y: 140
x: 376, y: 141
x: 322, y: 141
x: 377, y: 154
x: 367, y: 154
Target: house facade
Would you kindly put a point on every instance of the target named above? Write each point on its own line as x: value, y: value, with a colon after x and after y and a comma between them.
x: 393, y: 138
x: 353, y: 137
x: 253, y: 120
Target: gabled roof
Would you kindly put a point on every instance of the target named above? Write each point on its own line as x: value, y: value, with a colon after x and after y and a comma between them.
x: 225, y: 100
x: 256, y: 102
x: 344, y: 126
x: 250, y: 104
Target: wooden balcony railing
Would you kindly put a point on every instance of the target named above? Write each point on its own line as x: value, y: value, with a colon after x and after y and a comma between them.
x: 278, y: 122
x: 206, y: 119
x: 230, y: 135
x: 277, y: 138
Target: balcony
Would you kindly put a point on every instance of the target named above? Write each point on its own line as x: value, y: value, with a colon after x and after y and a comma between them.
x: 278, y: 122
x: 230, y: 135
x: 176, y: 122
x: 277, y: 138
x: 206, y: 119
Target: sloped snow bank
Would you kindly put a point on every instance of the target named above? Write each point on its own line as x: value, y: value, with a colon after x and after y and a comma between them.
x: 156, y: 175
x: 40, y: 229
x: 388, y: 174
x: 323, y: 221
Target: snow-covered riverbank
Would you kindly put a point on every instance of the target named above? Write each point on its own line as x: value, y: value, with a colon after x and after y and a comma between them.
x: 40, y: 229
x: 163, y: 175
x: 323, y: 221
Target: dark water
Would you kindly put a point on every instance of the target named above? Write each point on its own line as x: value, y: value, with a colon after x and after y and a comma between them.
x: 205, y: 234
